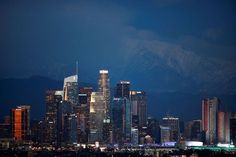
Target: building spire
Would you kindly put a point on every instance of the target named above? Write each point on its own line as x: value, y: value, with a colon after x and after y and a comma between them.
x: 76, y: 68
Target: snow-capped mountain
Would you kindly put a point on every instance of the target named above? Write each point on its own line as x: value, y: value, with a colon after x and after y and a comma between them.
x: 170, y: 67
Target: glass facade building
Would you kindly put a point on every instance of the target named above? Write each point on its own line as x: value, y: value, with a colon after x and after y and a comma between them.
x: 97, y: 114
x: 209, y: 119
x: 20, y: 122
x: 122, y: 120
x: 139, y: 106
x: 104, y: 88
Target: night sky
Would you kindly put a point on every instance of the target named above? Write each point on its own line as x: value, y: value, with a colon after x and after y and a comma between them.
x: 159, y: 45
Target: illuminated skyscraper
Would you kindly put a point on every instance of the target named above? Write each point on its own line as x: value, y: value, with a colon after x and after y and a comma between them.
x: 117, y: 119
x: 173, y: 124
x: 71, y: 90
x: 96, y: 117
x: 122, y: 113
x: 233, y: 130
x: 164, y: 134
x: 70, y: 128
x: 82, y: 111
x: 139, y: 106
x: 20, y: 122
x: 121, y: 118
x: 193, y: 130
x: 104, y: 88
x: 223, y: 126
x: 153, y: 128
x: 134, y: 136
x: 122, y: 89
x: 209, y: 119
x: 107, y: 131
x: 53, y: 116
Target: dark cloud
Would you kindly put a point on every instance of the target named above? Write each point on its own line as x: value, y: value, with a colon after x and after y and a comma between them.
x: 189, y: 37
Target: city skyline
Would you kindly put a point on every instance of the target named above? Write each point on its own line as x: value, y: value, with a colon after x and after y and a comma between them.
x: 178, y: 51
x: 118, y: 78
x: 82, y: 118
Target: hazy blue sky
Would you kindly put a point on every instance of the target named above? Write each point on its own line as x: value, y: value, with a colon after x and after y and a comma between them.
x: 161, y: 42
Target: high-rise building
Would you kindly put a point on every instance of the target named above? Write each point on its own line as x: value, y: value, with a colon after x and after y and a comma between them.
x: 20, y: 122
x: 134, y: 136
x: 88, y: 91
x: 5, y: 130
x: 164, y: 134
x: 223, y: 126
x: 71, y: 90
x: 233, y: 130
x: 135, y: 121
x: 122, y: 89
x: 196, y: 130
x: 227, y: 116
x: 220, y: 125
x: 82, y: 111
x: 52, y: 117
x: 122, y: 120
x: 37, y: 131
x: 107, y: 131
x: 209, y: 119
x: 139, y: 106
x: 70, y: 128
x: 153, y: 128
x: 104, y: 88
x: 117, y: 120
x: 143, y: 133
x: 96, y: 116
x: 173, y: 124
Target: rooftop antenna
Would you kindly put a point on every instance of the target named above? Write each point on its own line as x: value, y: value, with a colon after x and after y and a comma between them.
x: 76, y: 68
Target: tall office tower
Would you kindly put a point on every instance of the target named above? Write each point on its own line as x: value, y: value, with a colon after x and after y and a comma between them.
x: 20, y: 122
x: 134, y: 136
x: 37, y: 131
x: 53, y: 102
x: 70, y: 129
x: 121, y: 118
x: 135, y: 121
x: 227, y: 116
x: 223, y: 126
x: 82, y: 112
x: 233, y: 130
x: 71, y: 90
x: 5, y: 130
x: 107, y: 131
x: 139, y: 106
x: 220, y: 126
x: 96, y: 117
x: 104, y: 88
x: 187, y: 130
x: 209, y: 119
x: 196, y: 130
x: 143, y: 133
x: 88, y: 91
x: 153, y: 128
x: 164, y: 134
x: 193, y: 130
x: 173, y: 124
x: 122, y: 89
x: 117, y: 120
